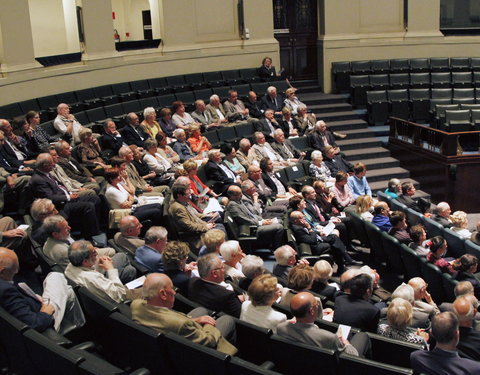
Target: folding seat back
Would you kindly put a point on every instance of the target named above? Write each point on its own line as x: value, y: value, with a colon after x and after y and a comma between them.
x: 398, y: 206
x: 475, y: 64
x: 131, y: 106
x: 391, y: 246
x: 195, y: 81
x: 412, y: 262
x: 295, y: 172
x: 399, y: 81
x: 439, y: 114
x: 166, y: 101
x: 301, y: 143
x: 238, y: 366
x: 177, y: 83
x: 25, y: 106
x: 462, y: 79
x: 433, y: 277
x: 458, y: 121
x: 399, y: 66
x: 227, y: 134
x: 232, y: 77
x: 222, y: 91
x: 413, y: 217
x: 377, y: 107
x: 247, y: 334
x: 214, y: 79
x: 384, y: 197
x: 149, y: 102
x: 475, y: 116
x: 212, y: 136
x: 399, y: 103
x: 359, y: 228
x: 187, y: 98
x: 441, y: 93
x: 341, y: 75
x: 374, y: 235
x: 419, y: 65
x: 359, y: 85
x: 141, y: 85
x: 469, y: 106
x: 96, y: 114
x: 420, y: 104
x: 203, y: 94
x: 440, y: 79
x: 380, y: 66
x: 361, y: 67
x: 456, y: 244
x: 463, y: 93
x: 103, y: 91
x: 242, y: 90
x: 383, y: 347
x: 121, y: 88
x: 379, y: 81
x: 67, y: 97
x: 459, y: 64
x: 85, y: 94
x: 449, y: 284
x: 419, y: 80
x: 250, y: 75
x: 350, y: 364
x: 244, y: 130
x: 472, y: 248
x: 433, y: 228
x: 439, y: 64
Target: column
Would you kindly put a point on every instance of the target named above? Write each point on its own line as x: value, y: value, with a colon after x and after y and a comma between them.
x: 98, y: 29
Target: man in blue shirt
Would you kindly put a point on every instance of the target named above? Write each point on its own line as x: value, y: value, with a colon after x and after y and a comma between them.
x: 358, y: 182
x: 150, y: 254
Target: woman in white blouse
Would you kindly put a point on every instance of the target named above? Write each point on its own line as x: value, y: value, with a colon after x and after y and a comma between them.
x: 182, y: 119
x: 156, y: 162
x: 460, y: 224
x: 292, y: 102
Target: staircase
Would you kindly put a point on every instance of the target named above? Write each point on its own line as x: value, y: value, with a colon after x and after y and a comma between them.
x: 363, y: 143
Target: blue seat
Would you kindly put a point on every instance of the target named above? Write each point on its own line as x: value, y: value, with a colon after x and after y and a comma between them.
x: 456, y: 244
x: 433, y: 228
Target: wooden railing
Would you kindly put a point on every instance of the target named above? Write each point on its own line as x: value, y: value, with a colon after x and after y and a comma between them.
x: 439, y: 141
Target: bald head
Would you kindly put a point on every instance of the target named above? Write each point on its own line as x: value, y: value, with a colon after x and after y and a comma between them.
x: 302, y: 306
x: 464, y: 309
x: 158, y: 290
x: 8, y: 264
x: 346, y: 277
x: 419, y: 287
x: 234, y: 193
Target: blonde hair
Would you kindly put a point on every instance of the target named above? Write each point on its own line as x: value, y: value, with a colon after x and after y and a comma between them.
x: 300, y: 277
x: 399, y: 313
x: 83, y: 133
x: 322, y: 271
x: 262, y: 290
x: 459, y: 219
x: 189, y: 165
x: 363, y: 203
x: 212, y: 239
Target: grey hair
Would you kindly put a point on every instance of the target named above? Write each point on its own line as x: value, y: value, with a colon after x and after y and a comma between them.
x: 50, y: 224
x: 252, y: 265
x: 316, y: 154
x: 214, y: 97
x: 123, y: 150
x: 228, y: 249
x: 283, y: 253
x: 301, y: 107
x: 404, y: 291
x: 270, y: 89
x: 39, y: 208
x: 42, y: 159
x: 149, y: 143
x: 176, y: 132
x: 206, y: 264
x: 244, y: 142
x: 148, y: 111
x: 78, y: 252
x: 154, y: 234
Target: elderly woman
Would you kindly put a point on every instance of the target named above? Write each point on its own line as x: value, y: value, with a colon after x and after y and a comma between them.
x: 267, y: 70
x: 198, y: 143
x: 289, y: 124
x: 460, y: 224
x: 174, y: 258
x: 231, y: 159
x: 363, y: 205
x: 89, y: 152
x: 119, y: 198
x: 180, y: 118
x: 156, y: 162
x: 142, y: 167
x: 467, y: 266
x: 150, y: 124
x: 317, y: 168
x: 306, y: 121
x: 438, y: 249
x: 399, y: 316
x: 166, y: 151
x: 322, y: 272
x: 232, y: 255
x: 166, y: 123
x: 292, y: 102
x: 252, y: 267
x: 191, y: 167
x: 263, y: 292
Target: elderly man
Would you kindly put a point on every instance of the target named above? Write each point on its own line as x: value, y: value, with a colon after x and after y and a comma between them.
x: 271, y: 180
x: 262, y: 150
x: 306, y: 121
x: 8, y: 162
x: 336, y: 163
x: 210, y: 289
x: 304, y: 307
x: 285, y: 258
x: 66, y: 123
x: 253, y: 105
x: 265, y: 192
x: 252, y: 266
x: 59, y: 239
x: 408, y: 191
x: 423, y: 299
x: 12, y: 147
x: 243, y: 212
x: 75, y: 170
x: 216, y: 170
x: 394, y: 187
x: 381, y: 216
x: 216, y: 111
x: 321, y: 138
x: 203, y: 117
x: 441, y: 214
x: 78, y: 209
x: 267, y: 125
x: 112, y: 139
x: 82, y: 270
x: 128, y: 237
x: 232, y: 255
x: 132, y: 133
x: 150, y: 254
x: 358, y: 182
x: 245, y: 153
x: 181, y: 146
x: 155, y: 310
x: 235, y: 109
x: 273, y: 101
x: 285, y: 148
x: 444, y: 358
x: 355, y: 309
x: 57, y: 307
x: 465, y: 308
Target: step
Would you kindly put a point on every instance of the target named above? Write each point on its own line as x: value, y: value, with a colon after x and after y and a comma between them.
x: 324, y: 108
x: 380, y: 174
x: 380, y: 131
x: 366, y: 153
x: 347, y: 125
x: 377, y: 163
x: 351, y: 144
x: 336, y: 116
x: 321, y: 98
x: 357, y: 133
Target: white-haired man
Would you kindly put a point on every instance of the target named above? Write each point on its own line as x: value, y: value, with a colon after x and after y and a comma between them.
x: 128, y: 236
x: 441, y: 214
x: 66, y: 123
x: 232, y: 254
x: 216, y: 111
x: 216, y: 170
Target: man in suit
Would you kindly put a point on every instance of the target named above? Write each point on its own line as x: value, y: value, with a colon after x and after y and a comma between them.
x: 444, y: 358
x: 216, y: 111
x: 15, y: 147
x: 262, y: 150
x: 216, y: 170
x: 441, y: 214
x: 408, y: 191
x: 304, y: 307
x: 272, y: 181
x: 243, y: 212
x: 74, y: 169
x: 355, y: 309
x: 11, y: 164
x: 285, y: 148
x: 273, y: 101
x: 201, y: 116
x: 465, y: 308
x: 112, y: 139
x: 254, y: 106
x: 267, y: 125
x: 235, y: 109
x: 210, y: 290
x: 321, y: 137
x: 150, y: 254
x: 58, y: 307
x: 336, y: 163
x: 128, y: 236
x: 81, y: 210
x: 132, y: 133
x: 155, y: 310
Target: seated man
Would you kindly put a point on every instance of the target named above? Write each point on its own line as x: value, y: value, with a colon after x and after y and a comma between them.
x: 245, y: 153
x: 267, y: 125
x: 58, y: 241
x: 273, y: 101
x: 133, y: 133
x: 355, y: 309
x: 82, y: 270
x: 235, y: 109
x: 358, y: 182
x: 150, y: 254
x: 128, y: 237
x: 285, y: 147
x: 201, y: 116
x: 381, y: 217
x: 465, y: 308
x: 57, y: 307
x: 304, y: 307
x: 216, y: 111
x: 441, y: 214
x: 112, y: 139
x: 210, y: 289
x: 408, y: 191
x: 155, y: 311
x: 216, y: 170
x: 262, y: 150
x: 66, y: 123
x: 253, y: 105
x: 423, y: 299
x: 399, y: 227
x: 321, y: 137
x: 444, y: 359
x: 335, y: 162
x: 285, y: 258
x: 13, y: 183
x: 271, y: 180
x: 243, y: 212
x: 15, y: 147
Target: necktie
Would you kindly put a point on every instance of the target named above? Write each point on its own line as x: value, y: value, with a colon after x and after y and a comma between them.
x: 317, y: 210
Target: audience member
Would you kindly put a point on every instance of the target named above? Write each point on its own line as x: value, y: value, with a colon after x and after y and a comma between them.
x: 341, y: 190
x: 202, y: 117
x: 336, y: 163
x: 441, y: 214
x: 132, y: 133
x: 181, y: 118
x: 89, y: 152
x: 381, y: 217
x: 322, y: 272
x: 318, y: 169
x: 465, y: 308
x: 394, y: 188
x: 460, y: 224
x: 419, y: 237
x: 253, y: 105
x: 306, y: 121
x: 408, y: 191
x: 231, y: 160
x: 363, y: 206
x: 38, y: 139
x: 285, y: 259
x: 174, y: 258
x: 217, y: 171
x: 399, y: 227
x: 320, y: 138
x: 166, y: 123
x: 252, y: 266
x: 112, y: 139
x: 267, y: 125
x: 245, y: 153
x: 232, y: 255
x: 212, y: 240
x: 149, y: 124
x: 150, y: 254
x: 438, y: 249
x: 358, y: 182
x: 66, y: 123
x: 273, y: 101
x: 128, y: 236
x: 261, y: 149
x: 181, y: 146
x: 466, y: 267
x: 236, y: 111
x: 199, y: 144
x: 423, y: 300
x: 285, y: 148
x: 289, y: 124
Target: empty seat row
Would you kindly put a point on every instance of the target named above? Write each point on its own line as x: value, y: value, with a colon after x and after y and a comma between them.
x: 341, y: 71
x: 463, y: 117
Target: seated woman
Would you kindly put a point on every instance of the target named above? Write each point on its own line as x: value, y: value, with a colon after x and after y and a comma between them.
x: 317, y: 168
x: 166, y: 122
x: 419, y: 237
x: 166, y: 151
x: 156, y: 162
x: 467, y: 266
x: 191, y: 167
x: 288, y: 124
x: 322, y: 271
x: 232, y: 255
x: 198, y: 143
x: 460, y: 224
x: 180, y: 118
x: 174, y: 259
x: 119, y: 198
x: 231, y: 159
x: 252, y: 267
x: 363, y: 206
x: 90, y: 153
x: 118, y: 162
x: 292, y: 102
x: 39, y: 140
x: 263, y: 292
x: 438, y: 248
x: 267, y: 70
x: 399, y: 316
x: 150, y: 124
x: 399, y: 227
x: 342, y: 191
x: 143, y: 169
